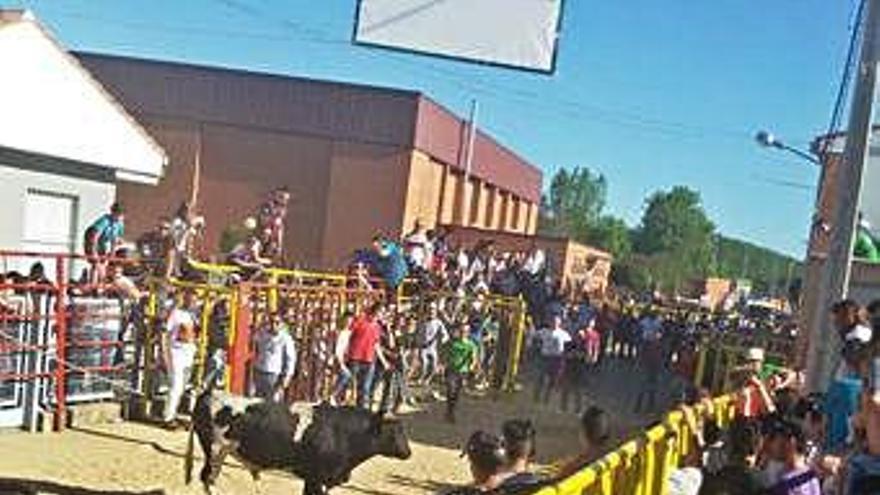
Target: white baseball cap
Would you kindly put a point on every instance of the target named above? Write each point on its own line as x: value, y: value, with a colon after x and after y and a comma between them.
x: 755, y: 354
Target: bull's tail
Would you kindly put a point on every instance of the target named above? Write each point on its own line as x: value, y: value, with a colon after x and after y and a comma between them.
x: 201, y: 420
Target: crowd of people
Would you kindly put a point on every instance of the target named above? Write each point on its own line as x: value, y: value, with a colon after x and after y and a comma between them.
x: 379, y: 353
x: 786, y: 440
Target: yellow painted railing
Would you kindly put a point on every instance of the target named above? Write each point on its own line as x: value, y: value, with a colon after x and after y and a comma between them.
x: 642, y: 466
x: 288, y: 284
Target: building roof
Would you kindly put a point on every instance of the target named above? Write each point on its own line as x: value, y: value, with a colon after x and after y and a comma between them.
x: 329, y: 109
x: 59, y: 109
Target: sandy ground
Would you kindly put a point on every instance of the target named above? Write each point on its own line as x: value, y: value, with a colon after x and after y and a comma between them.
x: 131, y: 458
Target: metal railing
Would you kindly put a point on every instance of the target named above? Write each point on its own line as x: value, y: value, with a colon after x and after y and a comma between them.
x: 60, y: 341
x: 642, y: 465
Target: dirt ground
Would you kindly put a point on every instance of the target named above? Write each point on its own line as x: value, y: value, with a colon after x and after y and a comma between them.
x: 132, y: 458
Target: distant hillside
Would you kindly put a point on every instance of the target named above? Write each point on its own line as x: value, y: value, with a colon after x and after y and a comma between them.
x: 767, y: 269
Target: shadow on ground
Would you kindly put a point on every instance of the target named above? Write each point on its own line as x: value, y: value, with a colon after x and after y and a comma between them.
x: 615, y: 388
x: 17, y: 486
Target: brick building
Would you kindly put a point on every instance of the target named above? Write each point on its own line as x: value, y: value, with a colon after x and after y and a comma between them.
x: 357, y: 159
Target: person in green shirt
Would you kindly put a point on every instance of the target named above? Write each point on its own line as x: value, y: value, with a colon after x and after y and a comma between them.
x: 865, y: 245
x: 461, y: 359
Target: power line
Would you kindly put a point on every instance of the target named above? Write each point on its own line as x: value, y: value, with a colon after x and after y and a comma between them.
x: 603, y: 115
x: 846, y: 77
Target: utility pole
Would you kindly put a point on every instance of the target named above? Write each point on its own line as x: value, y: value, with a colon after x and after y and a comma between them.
x: 822, y: 354
x: 471, y: 139
x: 462, y: 215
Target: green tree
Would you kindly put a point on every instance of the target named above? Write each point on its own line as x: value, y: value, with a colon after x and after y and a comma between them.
x: 573, y: 203
x: 613, y: 235
x: 677, y: 236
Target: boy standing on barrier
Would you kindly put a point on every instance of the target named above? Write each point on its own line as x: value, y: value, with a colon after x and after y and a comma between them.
x: 177, y: 353
x: 101, y: 239
x: 461, y: 360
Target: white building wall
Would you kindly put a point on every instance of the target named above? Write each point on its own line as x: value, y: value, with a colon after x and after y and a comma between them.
x: 92, y: 199
x: 51, y: 105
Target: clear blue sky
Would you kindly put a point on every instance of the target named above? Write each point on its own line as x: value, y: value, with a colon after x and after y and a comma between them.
x: 650, y: 93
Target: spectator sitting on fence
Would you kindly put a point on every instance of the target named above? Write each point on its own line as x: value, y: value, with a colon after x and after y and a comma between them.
x: 247, y: 256
x: 155, y: 248
x: 184, y: 229
x: 270, y: 223
x: 418, y: 247
x: 391, y: 263
x: 275, y: 360
x: 102, y: 238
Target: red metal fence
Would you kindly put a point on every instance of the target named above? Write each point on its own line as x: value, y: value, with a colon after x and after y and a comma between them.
x: 60, y: 340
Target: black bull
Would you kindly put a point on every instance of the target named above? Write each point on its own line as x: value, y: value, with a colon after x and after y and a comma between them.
x: 263, y: 437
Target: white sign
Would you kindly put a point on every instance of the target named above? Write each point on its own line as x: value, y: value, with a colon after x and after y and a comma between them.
x: 516, y: 33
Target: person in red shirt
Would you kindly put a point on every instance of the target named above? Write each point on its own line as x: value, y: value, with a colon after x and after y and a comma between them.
x: 363, y: 350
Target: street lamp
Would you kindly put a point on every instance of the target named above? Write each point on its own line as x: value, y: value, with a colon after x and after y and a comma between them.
x: 768, y: 140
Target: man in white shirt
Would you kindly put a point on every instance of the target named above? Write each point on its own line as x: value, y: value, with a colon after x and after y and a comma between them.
x: 275, y: 361
x: 552, y: 342
x: 535, y: 262
x: 418, y: 246
x: 178, y: 351
x: 432, y: 334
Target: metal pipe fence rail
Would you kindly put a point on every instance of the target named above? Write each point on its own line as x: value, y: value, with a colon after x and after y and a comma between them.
x: 61, y: 342
x: 312, y: 306
x: 642, y: 466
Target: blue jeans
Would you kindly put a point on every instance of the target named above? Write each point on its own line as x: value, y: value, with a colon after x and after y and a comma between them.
x: 362, y: 373
x: 862, y: 475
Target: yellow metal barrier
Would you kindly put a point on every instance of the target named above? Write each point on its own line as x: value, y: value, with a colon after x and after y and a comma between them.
x: 642, y: 466
x: 307, y: 295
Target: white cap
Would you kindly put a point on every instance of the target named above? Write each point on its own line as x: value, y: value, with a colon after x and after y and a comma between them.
x: 859, y: 333
x: 755, y: 354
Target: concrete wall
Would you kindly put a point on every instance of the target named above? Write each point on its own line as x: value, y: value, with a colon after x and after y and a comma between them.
x: 424, y: 192
x: 145, y: 203
x: 366, y: 193
x: 238, y: 168
x: 92, y: 199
